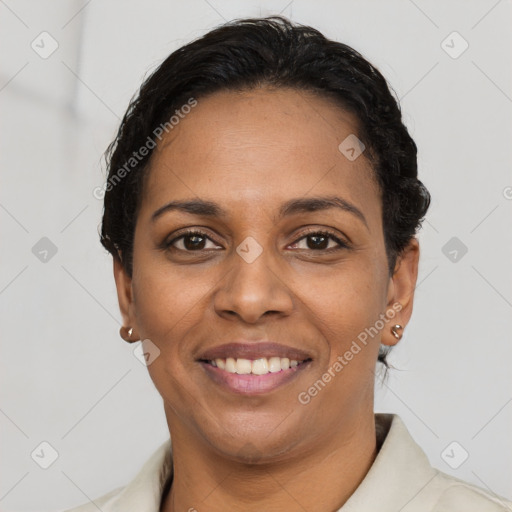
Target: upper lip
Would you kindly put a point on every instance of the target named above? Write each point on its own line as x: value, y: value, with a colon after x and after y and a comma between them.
x: 254, y: 350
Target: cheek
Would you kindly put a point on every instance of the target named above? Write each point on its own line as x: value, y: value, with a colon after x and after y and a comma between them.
x: 168, y: 304
x: 345, y: 306
x: 166, y: 311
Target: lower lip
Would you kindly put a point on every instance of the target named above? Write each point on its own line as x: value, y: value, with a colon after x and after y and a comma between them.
x: 250, y: 384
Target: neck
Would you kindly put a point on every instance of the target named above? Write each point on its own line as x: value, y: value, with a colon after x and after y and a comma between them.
x: 322, y: 479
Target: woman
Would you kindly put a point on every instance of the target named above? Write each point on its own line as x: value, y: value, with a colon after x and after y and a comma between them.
x: 261, y: 210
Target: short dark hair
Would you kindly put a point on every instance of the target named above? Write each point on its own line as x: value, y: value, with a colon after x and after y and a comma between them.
x: 272, y: 52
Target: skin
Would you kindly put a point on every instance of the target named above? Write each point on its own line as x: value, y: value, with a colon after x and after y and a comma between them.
x: 250, y: 152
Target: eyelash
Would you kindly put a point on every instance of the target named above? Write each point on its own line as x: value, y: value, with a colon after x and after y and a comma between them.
x: 325, y: 233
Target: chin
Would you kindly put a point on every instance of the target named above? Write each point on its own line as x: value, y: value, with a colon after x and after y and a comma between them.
x: 253, y: 445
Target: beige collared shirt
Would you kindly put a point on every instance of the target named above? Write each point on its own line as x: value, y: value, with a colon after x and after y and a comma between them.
x: 401, y: 479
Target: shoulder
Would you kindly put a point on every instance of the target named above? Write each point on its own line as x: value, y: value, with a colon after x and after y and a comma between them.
x: 102, y: 503
x: 456, y: 494
x: 403, y: 476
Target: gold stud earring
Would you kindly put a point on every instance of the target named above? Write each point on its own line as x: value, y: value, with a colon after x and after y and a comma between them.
x: 395, y: 329
x: 126, y: 334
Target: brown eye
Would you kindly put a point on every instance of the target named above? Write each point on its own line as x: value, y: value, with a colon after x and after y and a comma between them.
x: 319, y: 241
x: 190, y: 241
x: 196, y: 241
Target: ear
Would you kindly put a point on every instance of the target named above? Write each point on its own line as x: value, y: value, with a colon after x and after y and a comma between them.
x: 125, y: 295
x: 401, y: 290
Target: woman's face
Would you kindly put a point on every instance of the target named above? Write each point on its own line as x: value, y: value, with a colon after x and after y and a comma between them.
x: 259, y: 271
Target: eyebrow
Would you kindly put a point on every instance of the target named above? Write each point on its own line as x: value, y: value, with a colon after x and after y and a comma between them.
x: 206, y: 208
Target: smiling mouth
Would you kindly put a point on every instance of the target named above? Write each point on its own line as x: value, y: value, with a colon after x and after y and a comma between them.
x: 260, y: 366
x: 253, y: 377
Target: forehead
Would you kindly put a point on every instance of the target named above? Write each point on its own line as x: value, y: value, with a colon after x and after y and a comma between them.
x: 257, y: 148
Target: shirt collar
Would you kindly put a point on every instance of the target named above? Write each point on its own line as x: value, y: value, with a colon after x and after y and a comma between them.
x: 396, y: 478
x: 398, y: 474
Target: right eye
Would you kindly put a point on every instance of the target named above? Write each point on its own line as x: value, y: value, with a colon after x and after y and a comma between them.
x: 191, y: 241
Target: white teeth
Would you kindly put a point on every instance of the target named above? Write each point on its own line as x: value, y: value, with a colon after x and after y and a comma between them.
x: 230, y: 365
x: 260, y: 366
x: 274, y: 364
x: 243, y: 366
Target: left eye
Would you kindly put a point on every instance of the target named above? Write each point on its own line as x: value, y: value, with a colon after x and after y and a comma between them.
x: 320, y: 241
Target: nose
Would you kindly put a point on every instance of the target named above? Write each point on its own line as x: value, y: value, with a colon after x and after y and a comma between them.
x: 253, y: 288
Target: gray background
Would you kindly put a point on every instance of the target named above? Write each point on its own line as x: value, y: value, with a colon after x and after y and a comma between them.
x: 66, y: 376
